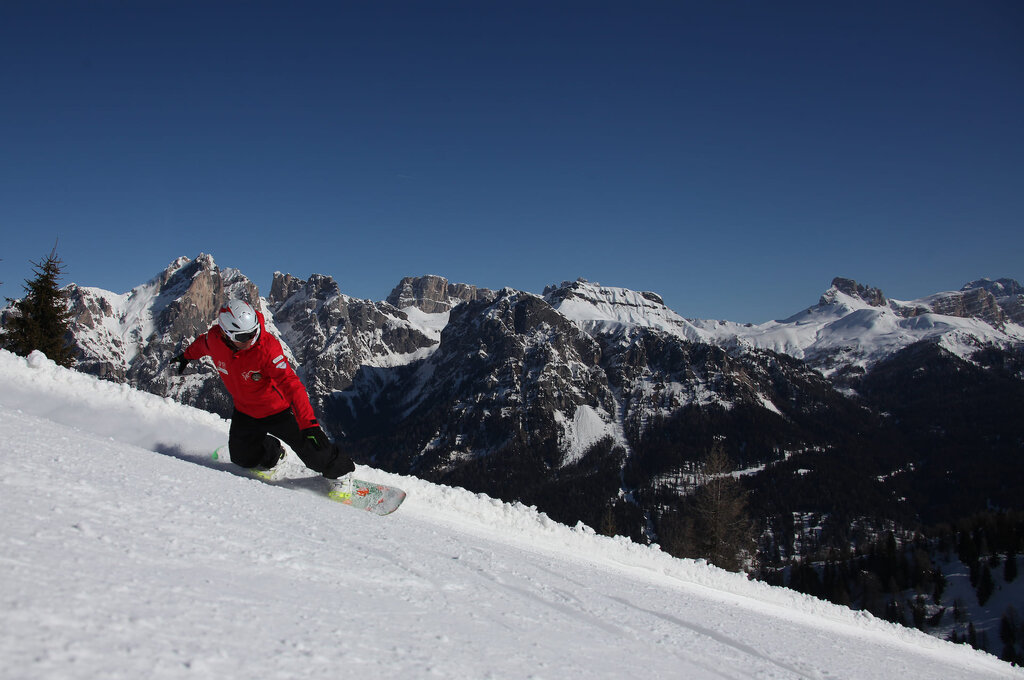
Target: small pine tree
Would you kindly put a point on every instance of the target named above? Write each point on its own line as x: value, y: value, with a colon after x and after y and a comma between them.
x: 41, y: 320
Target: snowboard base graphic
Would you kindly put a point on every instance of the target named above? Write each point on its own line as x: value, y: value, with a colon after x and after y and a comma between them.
x: 380, y: 499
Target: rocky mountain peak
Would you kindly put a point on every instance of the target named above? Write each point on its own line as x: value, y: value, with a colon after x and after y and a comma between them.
x: 1006, y: 294
x: 129, y: 337
x: 283, y: 287
x: 872, y: 296
x: 999, y: 288
x: 193, y: 292
x: 434, y: 294
x: 603, y: 296
x: 318, y: 287
x: 976, y: 303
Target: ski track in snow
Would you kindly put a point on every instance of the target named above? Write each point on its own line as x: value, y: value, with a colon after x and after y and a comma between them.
x: 129, y: 554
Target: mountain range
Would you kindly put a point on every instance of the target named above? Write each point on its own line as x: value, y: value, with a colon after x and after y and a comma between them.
x: 597, y: 403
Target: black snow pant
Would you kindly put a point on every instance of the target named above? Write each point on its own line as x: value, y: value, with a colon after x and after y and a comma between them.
x: 252, y: 445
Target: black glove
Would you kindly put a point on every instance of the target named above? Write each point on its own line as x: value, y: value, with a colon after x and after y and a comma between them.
x: 315, y: 438
x: 340, y: 466
x: 181, y: 361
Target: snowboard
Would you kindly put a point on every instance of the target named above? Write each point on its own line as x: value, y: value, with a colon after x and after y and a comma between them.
x: 380, y: 499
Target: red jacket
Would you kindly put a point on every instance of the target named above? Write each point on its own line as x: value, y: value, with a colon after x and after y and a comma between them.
x: 259, y: 379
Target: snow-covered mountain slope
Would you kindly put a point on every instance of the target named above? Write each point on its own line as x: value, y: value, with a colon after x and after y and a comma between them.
x: 128, y: 554
x: 853, y: 327
x: 607, y: 309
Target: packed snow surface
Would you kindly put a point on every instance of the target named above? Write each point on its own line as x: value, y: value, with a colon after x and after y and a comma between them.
x: 129, y: 553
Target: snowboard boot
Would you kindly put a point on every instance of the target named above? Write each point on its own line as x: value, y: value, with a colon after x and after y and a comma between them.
x: 273, y: 454
x: 340, y: 489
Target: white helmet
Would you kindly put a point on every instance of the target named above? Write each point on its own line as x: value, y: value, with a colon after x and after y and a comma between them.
x: 238, y: 321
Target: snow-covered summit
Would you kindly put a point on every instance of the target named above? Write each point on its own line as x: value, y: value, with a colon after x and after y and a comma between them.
x: 597, y: 308
x: 999, y: 287
x: 852, y: 327
x: 855, y: 326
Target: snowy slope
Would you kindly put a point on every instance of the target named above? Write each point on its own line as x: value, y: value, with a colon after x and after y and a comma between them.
x: 840, y: 332
x: 844, y: 330
x: 128, y: 554
x: 606, y: 309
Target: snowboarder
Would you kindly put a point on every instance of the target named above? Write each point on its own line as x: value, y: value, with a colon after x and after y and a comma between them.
x: 269, y: 399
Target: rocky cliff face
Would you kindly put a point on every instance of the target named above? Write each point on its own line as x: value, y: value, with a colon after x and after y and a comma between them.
x: 434, y: 295
x: 332, y: 335
x: 1007, y: 294
x: 131, y: 337
x: 872, y: 296
x: 508, y: 374
x: 973, y: 303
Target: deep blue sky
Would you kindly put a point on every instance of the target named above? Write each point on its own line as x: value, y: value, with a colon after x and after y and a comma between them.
x: 731, y: 156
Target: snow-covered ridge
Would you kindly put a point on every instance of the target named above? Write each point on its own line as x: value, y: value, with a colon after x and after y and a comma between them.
x: 598, y: 309
x: 851, y: 326
x: 180, y: 567
x: 845, y: 330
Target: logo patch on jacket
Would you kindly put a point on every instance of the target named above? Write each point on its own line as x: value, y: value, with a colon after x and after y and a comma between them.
x: 280, y: 362
x: 254, y: 376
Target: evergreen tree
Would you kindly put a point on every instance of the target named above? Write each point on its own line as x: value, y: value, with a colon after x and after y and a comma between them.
x: 1009, y: 632
x: 940, y: 586
x: 967, y: 549
x: 724, y: 532
x: 919, y: 611
x: 958, y: 611
x: 41, y: 320
x: 804, y: 578
x: 871, y: 592
x: 986, y: 586
x: 894, y: 611
x: 609, y: 527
